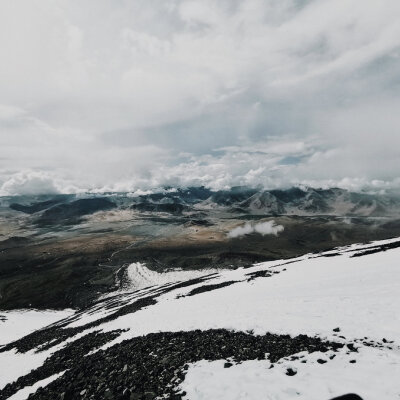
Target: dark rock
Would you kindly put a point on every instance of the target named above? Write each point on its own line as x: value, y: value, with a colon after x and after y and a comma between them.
x: 377, y: 249
x: 101, y: 373
x: 291, y: 372
x: 259, y: 274
x: 209, y: 288
x: 351, y: 347
x: 350, y: 396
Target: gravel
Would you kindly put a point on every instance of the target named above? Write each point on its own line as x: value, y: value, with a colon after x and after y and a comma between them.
x: 154, y: 365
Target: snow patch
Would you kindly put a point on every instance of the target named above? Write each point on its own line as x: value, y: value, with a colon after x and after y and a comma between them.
x: 140, y: 276
x: 372, y: 376
x: 17, y: 324
x: 310, y: 295
x: 13, y: 364
x: 26, y: 391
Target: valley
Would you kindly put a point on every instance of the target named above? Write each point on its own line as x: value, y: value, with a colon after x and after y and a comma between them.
x: 64, y: 251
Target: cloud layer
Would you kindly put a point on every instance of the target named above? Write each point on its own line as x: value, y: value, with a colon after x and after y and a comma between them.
x: 124, y: 95
x: 263, y: 228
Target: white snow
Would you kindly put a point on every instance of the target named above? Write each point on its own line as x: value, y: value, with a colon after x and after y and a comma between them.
x: 20, y: 364
x: 19, y: 323
x: 13, y: 364
x: 314, y: 295
x: 373, y: 376
x: 141, y: 277
x: 26, y: 391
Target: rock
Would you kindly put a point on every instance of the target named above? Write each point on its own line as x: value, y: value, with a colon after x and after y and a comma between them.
x: 351, y: 347
x: 165, y: 361
x: 350, y: 396
x: 321, y: 361
x: 142, y: 358
x: 291, y: 372
x: 336, y: 330
x: 67, y: 395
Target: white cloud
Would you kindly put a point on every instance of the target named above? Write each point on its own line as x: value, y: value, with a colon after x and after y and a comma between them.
x: 8, y: 113
x: 268, y: 228
x: 29, y: 182
x: 109, y: 94
x: 263, y: 228
x: 246, y: 229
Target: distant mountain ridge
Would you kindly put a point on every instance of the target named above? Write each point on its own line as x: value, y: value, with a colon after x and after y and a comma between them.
x: 238, y: 200
x: 335, y: 201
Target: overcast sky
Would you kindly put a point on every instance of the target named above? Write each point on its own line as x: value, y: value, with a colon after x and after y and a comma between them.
x: 137, y: 94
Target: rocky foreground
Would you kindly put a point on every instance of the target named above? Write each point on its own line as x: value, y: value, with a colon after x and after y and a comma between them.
x: 153, y: 365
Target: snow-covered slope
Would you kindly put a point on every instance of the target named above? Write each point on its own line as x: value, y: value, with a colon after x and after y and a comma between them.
x: 18, y: 323
x: 139, y: 276
x: 348, y: 296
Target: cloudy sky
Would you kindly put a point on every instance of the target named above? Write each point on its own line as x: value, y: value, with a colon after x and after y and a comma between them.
x: 136, y: 94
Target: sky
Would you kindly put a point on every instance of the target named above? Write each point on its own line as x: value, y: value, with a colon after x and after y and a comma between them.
x: 115, y: 95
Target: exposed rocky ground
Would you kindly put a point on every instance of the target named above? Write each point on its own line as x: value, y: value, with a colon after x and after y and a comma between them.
x: 153, y: 365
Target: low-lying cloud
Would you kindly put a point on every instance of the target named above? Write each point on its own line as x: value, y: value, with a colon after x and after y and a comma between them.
x: 263, y: 228
x: 29, y: 183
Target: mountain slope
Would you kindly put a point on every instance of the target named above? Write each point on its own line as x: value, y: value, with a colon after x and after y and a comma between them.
x: 340, y: 309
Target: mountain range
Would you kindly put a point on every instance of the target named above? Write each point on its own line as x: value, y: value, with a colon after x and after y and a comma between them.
x: 69, y: 209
